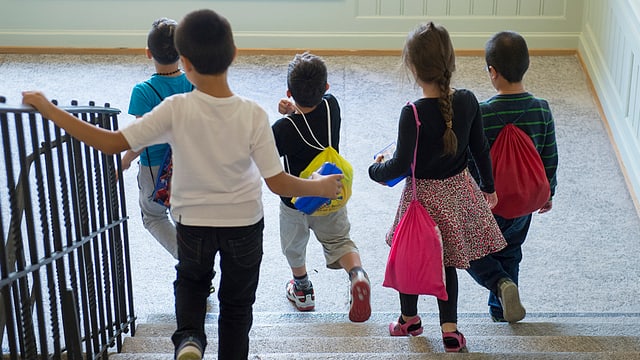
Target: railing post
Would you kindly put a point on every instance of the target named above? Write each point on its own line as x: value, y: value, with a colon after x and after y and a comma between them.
x: 71, y: 325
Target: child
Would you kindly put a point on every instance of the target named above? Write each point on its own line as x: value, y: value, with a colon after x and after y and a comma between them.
x: 451, y: 122
x: 507, y: 58
x: 167, y: 80
x: 222, y: 144
x: 308, y: 113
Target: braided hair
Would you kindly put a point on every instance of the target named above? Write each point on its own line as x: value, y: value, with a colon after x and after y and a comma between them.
x: 429, y: 54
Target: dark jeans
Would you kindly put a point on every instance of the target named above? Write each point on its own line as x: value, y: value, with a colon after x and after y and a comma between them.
x: 505, y: 263
x: 448, y: 310
x: 240, y: 257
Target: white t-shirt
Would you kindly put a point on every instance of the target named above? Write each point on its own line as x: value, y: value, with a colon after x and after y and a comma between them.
x: 221, y: 149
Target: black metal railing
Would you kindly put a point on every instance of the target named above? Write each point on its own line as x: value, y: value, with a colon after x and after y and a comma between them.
x: 65, y: 274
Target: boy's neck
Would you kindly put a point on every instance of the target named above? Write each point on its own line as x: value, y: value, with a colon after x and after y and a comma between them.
x: 511, y: 88
x: 168, y: 70
x: 304, y: 109
x: 214, y: 85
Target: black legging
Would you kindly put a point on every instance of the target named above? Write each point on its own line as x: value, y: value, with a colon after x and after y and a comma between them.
x: 448, y: 309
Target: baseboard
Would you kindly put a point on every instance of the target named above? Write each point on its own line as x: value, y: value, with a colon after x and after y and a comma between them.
x: 257, y: 51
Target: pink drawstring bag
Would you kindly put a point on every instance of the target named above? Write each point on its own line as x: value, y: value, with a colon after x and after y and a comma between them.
x: 415, y: 264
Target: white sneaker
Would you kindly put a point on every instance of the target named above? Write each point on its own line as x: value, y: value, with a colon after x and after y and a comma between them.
x: 305, y: 300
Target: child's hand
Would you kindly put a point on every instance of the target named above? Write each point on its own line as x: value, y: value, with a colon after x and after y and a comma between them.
x: 331, y: 184
x: 492, y: 199
x: 286, y: 107
x: 126, y: 163
x: 37, y: 100
x: 379, y: 158
x: 546, y: 207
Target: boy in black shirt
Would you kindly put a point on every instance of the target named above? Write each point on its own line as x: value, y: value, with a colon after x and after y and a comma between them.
x: 301, y: 135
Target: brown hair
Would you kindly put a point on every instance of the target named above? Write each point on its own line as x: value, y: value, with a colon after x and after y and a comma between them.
x: 429, y: 54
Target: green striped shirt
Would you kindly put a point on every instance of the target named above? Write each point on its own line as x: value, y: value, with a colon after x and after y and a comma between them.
x: 530, y: 114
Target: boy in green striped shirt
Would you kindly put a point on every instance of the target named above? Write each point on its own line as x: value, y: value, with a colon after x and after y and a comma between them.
x: 507, y: 58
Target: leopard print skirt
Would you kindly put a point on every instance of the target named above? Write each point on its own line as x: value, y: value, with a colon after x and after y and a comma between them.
x: 456, y: 204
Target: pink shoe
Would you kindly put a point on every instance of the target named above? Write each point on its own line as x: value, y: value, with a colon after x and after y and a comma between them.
x: 397, y: 329
x: 454, y: 342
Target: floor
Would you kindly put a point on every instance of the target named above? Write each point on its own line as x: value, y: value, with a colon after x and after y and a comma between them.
x: 578, y: 258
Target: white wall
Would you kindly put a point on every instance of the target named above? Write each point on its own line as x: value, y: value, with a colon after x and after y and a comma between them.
x: 610, y: 48
x: 285, y: 24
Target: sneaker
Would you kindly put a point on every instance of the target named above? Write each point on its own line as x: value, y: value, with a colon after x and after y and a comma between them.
x: 512, y: 309
x: 305, y: 300
x: 454, y: 342
x: 360, y: 308
x: 498, y: 319
x: 189, y: 349
x: 412, y: 327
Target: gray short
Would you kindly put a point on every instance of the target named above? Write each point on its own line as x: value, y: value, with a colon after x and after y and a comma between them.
x: 332, y: 231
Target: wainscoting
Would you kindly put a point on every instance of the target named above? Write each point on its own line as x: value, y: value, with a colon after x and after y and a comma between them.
x: 610, y: 48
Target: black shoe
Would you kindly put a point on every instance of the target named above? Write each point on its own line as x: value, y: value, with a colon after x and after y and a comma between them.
x: 189, y: 349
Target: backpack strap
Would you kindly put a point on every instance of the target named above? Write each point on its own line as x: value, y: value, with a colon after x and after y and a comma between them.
x: 146, y: 149
x: 415, y: 151
x: 161, y: 99
x: 319, y: 146
x: 529, y: 106
x: 154, y: 90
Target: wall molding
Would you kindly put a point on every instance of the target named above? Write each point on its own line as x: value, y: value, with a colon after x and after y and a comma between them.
x: 258, y: 51
x: 611, y: 61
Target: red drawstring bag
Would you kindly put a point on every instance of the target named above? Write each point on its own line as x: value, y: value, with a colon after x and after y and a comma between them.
x: 519, y: 176
x: 415, y: 264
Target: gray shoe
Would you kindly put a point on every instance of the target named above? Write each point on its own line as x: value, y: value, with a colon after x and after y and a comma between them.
x: 189, y: 349
x: 512, y: 309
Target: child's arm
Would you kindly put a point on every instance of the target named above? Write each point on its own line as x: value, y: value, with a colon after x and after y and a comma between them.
x: 128, y: 158
x: 130, y: 155
x: 327, y: 186
x: 107, y: 141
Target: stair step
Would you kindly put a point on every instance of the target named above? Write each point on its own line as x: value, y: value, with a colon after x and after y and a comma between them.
x: 369, y: 329
x: 278, y: 343
x: 396, y: 355
x: 327, y: 336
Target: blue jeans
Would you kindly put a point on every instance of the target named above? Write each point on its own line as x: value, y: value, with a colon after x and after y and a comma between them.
x: 240, y: 257
x: 487, y: 271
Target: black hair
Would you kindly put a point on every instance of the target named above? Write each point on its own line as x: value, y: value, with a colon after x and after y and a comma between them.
x: 160, y: 41
x: 307, y: 79
x: 206, y: 40
x: 508, y: 54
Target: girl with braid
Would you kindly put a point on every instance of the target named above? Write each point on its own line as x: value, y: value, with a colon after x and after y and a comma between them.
x: 451, y: 124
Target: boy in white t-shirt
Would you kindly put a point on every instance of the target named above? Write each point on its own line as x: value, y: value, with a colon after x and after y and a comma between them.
x: 222, y: 145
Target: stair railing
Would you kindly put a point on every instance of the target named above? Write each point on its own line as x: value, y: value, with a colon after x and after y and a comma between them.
x: 65, y: 273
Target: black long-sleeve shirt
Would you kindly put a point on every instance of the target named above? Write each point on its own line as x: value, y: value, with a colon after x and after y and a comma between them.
x: 298, y: 154
x: 431, y: 163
